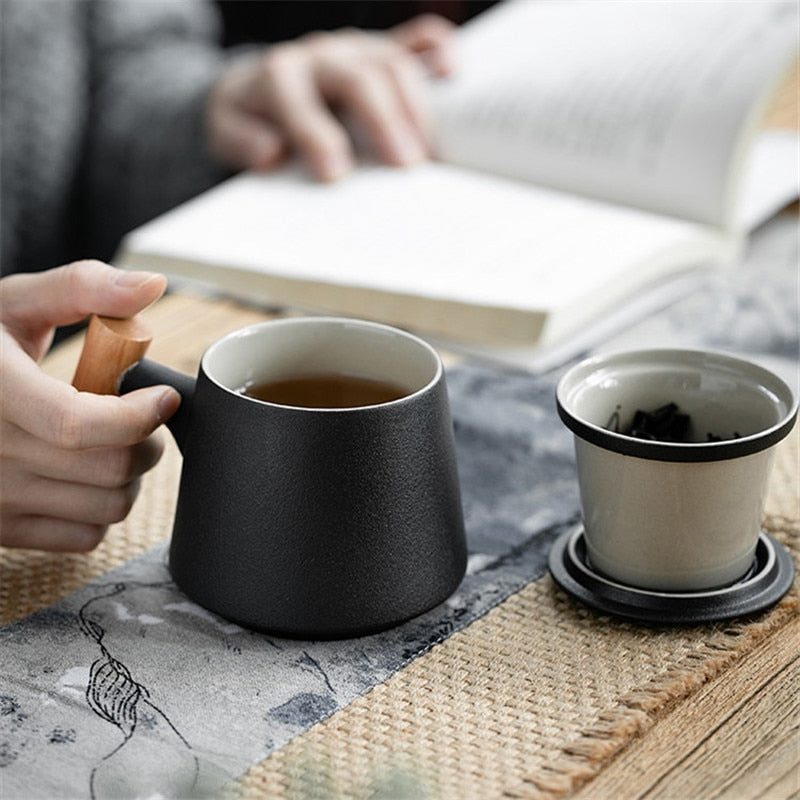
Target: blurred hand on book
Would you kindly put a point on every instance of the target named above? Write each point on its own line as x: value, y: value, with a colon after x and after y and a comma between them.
x: 317, y: 94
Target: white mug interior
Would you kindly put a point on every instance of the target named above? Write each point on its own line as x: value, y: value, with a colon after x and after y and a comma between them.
x: 304, y: 346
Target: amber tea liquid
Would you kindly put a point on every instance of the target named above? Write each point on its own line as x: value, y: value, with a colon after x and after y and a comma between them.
x: 325, y: 391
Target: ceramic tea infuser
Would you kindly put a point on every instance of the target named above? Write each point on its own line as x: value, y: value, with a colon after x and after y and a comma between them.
x: 671, y: 523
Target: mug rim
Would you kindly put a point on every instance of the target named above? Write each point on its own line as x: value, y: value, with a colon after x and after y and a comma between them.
x: 252, y: 329
x: 673, y: 451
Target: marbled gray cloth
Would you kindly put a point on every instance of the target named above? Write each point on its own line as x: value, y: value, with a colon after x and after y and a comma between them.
x: 126, y: 688
x: 101, y: 109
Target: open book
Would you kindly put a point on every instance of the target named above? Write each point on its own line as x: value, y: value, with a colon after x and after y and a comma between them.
x: 586, y: 151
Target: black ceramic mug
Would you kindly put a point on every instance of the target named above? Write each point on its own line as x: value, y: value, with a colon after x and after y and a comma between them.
x: 315, y: 522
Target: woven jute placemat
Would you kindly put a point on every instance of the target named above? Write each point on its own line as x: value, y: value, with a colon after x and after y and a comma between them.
x: 528, y: 701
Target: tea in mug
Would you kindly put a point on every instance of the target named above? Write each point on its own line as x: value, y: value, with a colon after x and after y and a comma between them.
x: 325, y: 391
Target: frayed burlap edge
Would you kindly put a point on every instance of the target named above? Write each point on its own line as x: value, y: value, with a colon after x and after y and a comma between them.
x: 639, y: 710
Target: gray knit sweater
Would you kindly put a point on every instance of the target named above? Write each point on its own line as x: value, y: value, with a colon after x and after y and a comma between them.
x: 100, y: 121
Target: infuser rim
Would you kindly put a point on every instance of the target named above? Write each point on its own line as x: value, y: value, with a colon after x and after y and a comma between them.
x: 674, y: 451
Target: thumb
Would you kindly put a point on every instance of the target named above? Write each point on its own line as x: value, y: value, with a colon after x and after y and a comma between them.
x: 31, y: 304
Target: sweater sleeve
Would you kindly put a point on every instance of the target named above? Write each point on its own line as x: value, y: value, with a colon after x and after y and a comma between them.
x: 153, y: 66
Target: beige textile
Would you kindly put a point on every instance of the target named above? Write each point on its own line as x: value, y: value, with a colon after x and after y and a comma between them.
x: 529, y: 701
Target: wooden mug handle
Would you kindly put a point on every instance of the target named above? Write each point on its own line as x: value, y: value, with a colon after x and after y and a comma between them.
x: 111, y: 347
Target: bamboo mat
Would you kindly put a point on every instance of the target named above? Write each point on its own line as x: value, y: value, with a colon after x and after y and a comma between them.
x: 528, y: 701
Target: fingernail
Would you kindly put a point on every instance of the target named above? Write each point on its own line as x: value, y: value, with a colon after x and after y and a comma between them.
x: 168, y: 403
x: 135, y: 279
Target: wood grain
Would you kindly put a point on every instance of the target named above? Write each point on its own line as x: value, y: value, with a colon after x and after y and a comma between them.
x: 111, y: 346
x: 737, y: 737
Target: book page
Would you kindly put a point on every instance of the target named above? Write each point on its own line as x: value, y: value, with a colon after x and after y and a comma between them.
x: 643, y: 103
x: 523, y: 263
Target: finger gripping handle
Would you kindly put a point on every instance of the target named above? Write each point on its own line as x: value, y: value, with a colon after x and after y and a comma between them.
x: 111, y: 347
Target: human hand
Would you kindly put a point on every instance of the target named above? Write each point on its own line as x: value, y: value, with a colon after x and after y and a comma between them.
x: 70, y: 460
x: 294, y: 96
